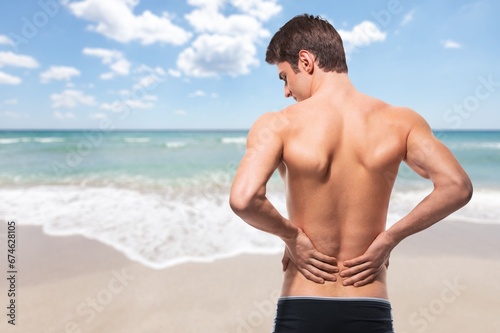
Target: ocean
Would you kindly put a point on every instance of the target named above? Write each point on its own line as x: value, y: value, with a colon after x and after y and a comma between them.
x: 161, y: 197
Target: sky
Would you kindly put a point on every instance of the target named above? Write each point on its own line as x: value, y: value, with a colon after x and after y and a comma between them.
x: 199, y: 64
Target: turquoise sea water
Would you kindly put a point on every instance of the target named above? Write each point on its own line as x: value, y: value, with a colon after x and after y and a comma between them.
x: 161, y: 196
x: 72, y: 157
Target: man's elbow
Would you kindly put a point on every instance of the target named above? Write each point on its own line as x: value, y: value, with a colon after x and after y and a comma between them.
x: 463, y: 190
x: 240, y: 201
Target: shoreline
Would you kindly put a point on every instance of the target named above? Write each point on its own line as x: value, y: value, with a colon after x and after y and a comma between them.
x: 443, y: 279
x: 199, y: 224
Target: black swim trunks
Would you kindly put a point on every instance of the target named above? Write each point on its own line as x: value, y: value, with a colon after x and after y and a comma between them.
x: 297, y: 314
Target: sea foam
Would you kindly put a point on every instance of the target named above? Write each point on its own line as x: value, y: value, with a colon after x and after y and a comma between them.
x: 6, y: 141
x: 175, y: 144
x: 173, y: 226
x: 137, y: 140
x: 235, y: 140
x: 157, y: 229
x: 48, y: 140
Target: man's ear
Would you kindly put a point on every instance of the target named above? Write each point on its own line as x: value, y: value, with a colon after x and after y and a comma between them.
x: 306, y: 61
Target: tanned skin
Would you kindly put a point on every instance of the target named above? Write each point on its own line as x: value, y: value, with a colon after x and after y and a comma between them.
x: 338, y: 152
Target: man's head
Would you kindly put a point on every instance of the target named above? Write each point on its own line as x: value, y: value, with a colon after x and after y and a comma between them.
x: 314, y: 34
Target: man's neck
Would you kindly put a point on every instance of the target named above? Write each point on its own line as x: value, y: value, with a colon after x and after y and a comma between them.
x: 334, y: 86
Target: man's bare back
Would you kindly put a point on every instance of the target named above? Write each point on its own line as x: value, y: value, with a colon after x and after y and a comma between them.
x: 338, y: 155
x: 337, y: 167
x: 338, y: 152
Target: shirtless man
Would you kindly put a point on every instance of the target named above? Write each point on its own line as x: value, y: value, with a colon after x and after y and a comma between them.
x: 338, y: 152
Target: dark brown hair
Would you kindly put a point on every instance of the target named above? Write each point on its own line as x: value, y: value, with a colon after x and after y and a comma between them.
x: 311, y: 33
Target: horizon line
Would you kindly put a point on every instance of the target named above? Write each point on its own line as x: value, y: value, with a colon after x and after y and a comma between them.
x: 204, y: 129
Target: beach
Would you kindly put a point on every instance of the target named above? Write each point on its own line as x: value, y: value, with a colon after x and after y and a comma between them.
x: 442, y: 280
x: 131, y: 231
x: 123, y: 124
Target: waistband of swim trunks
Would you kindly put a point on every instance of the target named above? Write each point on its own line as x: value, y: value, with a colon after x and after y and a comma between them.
x: 371, y: 299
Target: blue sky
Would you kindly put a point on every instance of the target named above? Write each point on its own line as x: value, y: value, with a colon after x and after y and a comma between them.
x: 199, y: 64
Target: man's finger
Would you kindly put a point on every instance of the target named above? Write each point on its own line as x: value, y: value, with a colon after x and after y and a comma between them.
x: 312, y: 277
x: 325, y: 267
x: 325, y: 258
x: 321, y: 274
x: 354, y: 270
x: 365, y: 281
x: 354, y: 262
x: 358, y: 277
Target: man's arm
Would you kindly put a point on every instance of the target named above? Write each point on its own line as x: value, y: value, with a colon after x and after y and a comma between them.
x: 248, y: 200
x: 427, y: 156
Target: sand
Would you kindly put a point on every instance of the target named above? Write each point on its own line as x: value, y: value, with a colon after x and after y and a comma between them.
x: 442, y: 280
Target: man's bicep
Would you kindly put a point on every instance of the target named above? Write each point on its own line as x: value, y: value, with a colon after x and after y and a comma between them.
x: 262, y: 156
x: 428, y: 156
x: 419, y: 151
x: 259, y: 163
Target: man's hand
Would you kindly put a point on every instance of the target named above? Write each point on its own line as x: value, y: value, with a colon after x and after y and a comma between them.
x: 314, y: 265
x: 365, y: 268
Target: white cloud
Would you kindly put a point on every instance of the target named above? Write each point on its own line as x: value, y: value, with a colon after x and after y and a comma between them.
x: 138, y: 97
x: 70, y: 99
x: 211, y: 55
x: 263, y: 10
x: 5, y: 40
x: 226, y: 44
x: 119, y: 106
x: 107, y: 76
x: 361, y: 35
x: 154, y: 76
x: 116, y: 20
x: 151, y: 98
x: 451, y: 44
x: 180, y: 112
x: 211, y: 21
x: 174, y: 73
x: 13, y: 115
x: 138, y: 104
x: 408, y: 17
x: 9, y: 79
x: 124, y: 92
x: 63, y: 115
x: 59, y: 73
x: 201, y: 93
x: 198, y: 93
x: 146, y: 69
x: 10, y: 101
x: 116, y: 106
x: 17, y: 60
x: 210, y: 4
x: 130, y: 100
x: 114, y: 59
x: 98, y: 116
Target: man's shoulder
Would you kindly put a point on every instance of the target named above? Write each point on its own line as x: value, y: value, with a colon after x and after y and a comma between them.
x: 266, y: 132
x: 385, y: 108
x: 401, y: 115
x: 274, y: 122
